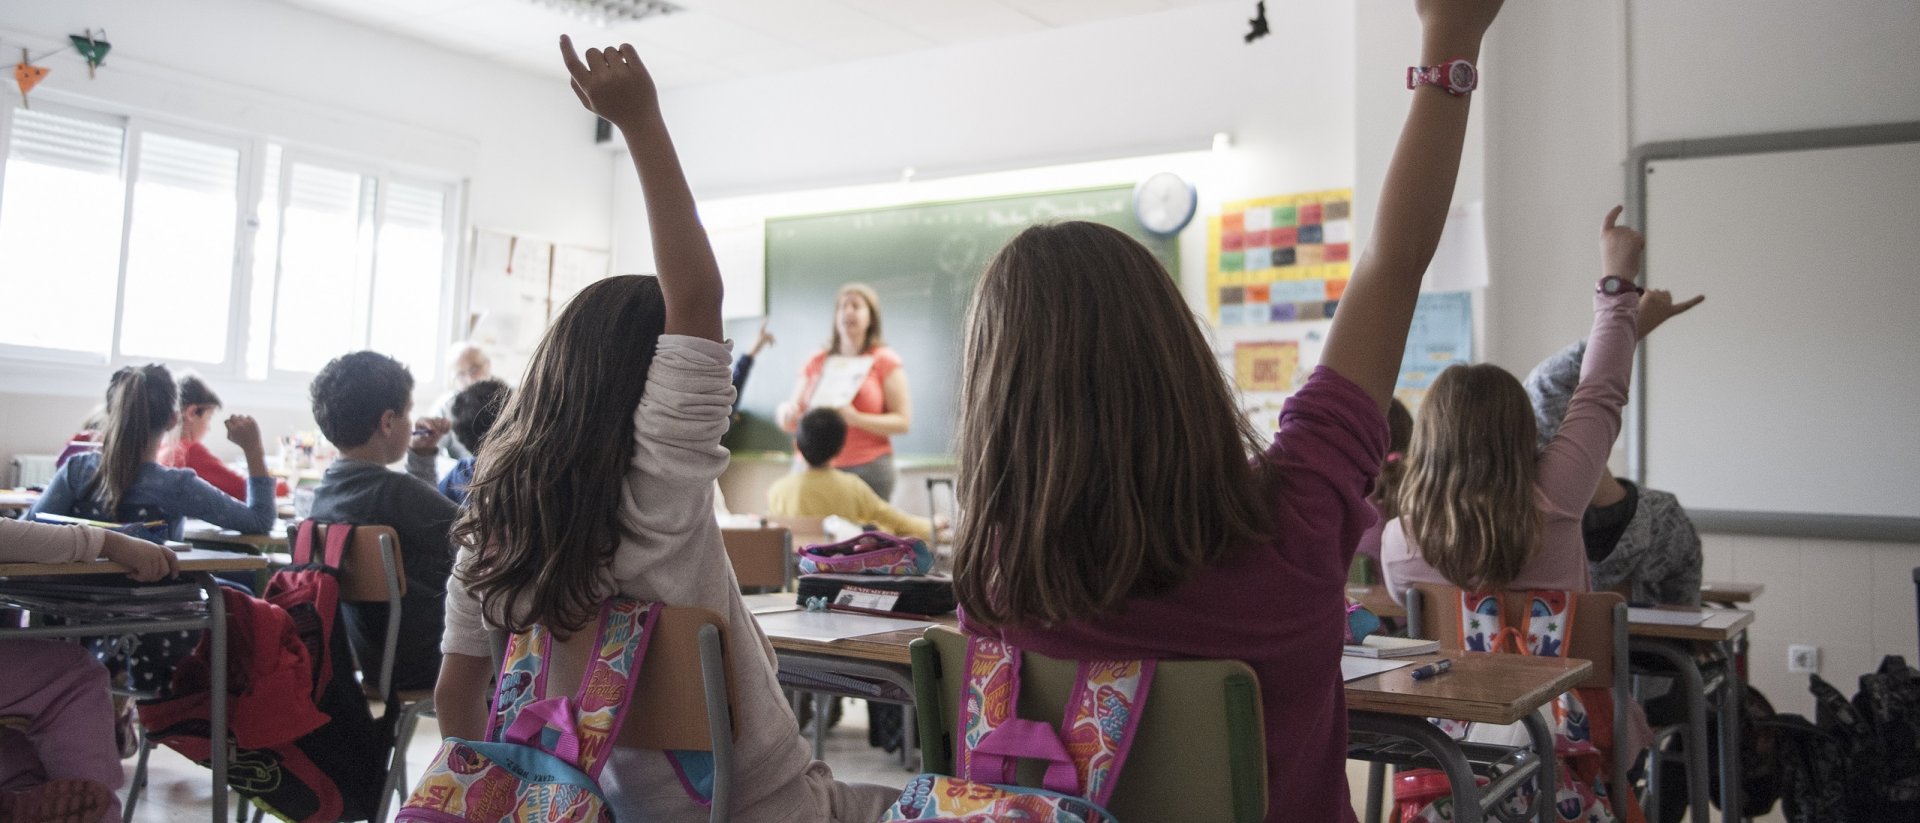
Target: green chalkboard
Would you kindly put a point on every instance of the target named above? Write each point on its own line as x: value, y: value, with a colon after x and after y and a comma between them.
x: 923, y: 259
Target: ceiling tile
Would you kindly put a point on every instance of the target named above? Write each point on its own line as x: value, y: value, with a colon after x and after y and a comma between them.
x: 1073, y: 12
x: 946, y: 24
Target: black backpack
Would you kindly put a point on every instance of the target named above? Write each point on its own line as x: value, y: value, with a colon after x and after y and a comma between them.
x: 1857, y: 761
x: 1759, y: 755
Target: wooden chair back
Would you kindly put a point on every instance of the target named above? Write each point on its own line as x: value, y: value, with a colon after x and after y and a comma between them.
x: 762, y: 558
x: 1198, y: 754
x: 372, y: 554
x: 670, y: 708
x: 804, y: 531
x: 1599, y: 626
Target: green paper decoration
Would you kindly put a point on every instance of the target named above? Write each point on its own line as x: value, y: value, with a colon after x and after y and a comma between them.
x: 94, y: 50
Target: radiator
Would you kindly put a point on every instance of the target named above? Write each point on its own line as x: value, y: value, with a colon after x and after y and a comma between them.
x: 31, y: 470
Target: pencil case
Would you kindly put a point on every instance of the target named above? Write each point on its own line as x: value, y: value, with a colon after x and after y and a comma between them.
x: 922, y: 595
x: 869, y: 553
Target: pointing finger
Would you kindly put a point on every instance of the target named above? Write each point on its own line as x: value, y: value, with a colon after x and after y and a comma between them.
x: 574, y: 66
x: 1613, y: 216
x: 1680, y: 307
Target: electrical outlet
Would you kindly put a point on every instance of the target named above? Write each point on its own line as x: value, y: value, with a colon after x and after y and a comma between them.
x: 1803, y: 659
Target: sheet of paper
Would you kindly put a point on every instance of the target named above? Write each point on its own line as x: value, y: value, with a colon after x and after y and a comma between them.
x: 840, y: 379
x: 1668, y: 617
x: 830, y: 626
x: 1354, y: 668
x: 770, y: 603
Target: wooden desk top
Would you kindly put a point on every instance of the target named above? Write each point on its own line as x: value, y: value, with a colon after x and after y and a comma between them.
x: 1721, y: 625
x: 197, y: 560
x: 1723, y: 591
x: 200, y: 531
x: 14, y: 500
x: 1484, y: 688
x: 1377, y: 600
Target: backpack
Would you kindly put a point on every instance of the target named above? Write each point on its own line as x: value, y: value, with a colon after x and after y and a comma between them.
x: 869, y: 553
x: 1877, y: 733
x: 1083, y: 757
x: 1759, y: 755
x: 1582, y: 718
x: 543, y: 755
x: 305, y: 746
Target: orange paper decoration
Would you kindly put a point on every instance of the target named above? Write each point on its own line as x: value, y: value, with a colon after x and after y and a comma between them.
x: 27, y: 76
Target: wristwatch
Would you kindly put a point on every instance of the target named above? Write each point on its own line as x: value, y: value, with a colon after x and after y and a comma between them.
x: 1611, y: 285
x: 1456, y: 76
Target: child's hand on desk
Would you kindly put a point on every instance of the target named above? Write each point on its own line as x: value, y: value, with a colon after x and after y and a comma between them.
x: 1656, y: 305
x: 612, y: 83
x: 145, y: 561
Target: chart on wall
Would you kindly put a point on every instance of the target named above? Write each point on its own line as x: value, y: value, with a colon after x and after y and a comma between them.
x: 1279, y: 259
x: 1441, y: 335
x: 517, y: 284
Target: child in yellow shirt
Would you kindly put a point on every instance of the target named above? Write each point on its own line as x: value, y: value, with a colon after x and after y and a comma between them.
x: 823, y: 491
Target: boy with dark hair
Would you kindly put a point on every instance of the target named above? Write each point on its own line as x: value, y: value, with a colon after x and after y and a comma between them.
x: 823, y: 490
x: 474, y: 410
x: 362, y: 402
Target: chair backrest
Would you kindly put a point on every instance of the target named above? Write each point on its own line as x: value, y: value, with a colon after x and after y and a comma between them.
x: 1599, y: 627
x: 805, y: 531
x: 1199, y: 752
x: 762, y: 558
x: 672, y: 705
x: 372, y: 560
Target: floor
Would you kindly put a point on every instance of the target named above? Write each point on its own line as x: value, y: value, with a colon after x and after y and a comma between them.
x: 178, y: 790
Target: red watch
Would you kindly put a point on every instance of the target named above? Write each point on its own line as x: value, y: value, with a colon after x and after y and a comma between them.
x: 1457, y: 77
x: 1611, y: 285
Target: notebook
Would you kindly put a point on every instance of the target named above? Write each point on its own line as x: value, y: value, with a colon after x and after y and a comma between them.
x: 1381, y: 646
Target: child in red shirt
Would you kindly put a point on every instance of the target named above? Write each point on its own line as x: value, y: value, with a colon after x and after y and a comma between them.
x: 198, y: 404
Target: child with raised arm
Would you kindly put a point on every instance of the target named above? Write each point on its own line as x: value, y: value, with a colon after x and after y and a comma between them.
x: 1094, y: 529
x: 598, y: 479
x: 58, y: 762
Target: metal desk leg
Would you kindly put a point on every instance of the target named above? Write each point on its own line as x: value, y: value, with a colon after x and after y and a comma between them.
x: 1376, y: 775
x: 217, y: 646
x: 1693, y: 687
x: 822, y: 703
x: 1466, y: 791
x: 1548, y: 786
x: 1731, y: 693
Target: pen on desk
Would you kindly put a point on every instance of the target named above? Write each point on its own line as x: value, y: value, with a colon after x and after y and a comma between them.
x: 839, y: 607
x: 1434, y: 669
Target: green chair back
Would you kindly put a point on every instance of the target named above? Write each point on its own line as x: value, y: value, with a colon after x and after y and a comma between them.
x: 1199, y: 753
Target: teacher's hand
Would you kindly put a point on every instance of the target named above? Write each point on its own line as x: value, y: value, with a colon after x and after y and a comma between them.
x: 787, y: 416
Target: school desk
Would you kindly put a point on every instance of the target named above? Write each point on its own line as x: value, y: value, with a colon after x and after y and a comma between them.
x: 201, y: 607
x: 1672, y: 645
x: 17, y: 500
x: 1383, y: 708
x: 202, y: 532
x: 1727, y: 592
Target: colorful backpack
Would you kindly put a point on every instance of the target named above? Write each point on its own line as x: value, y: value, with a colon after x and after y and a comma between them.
x: 869, y: 553
x: 1083, y: 757
x: 543, y: 755
x: 1583, y: 718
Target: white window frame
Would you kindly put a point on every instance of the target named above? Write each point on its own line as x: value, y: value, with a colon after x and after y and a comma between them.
x: 86, y: 370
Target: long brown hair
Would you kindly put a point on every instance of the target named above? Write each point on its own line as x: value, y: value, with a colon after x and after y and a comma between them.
x: 1386, y: 490
x: 1467, y: 500
x: 1105, y: 458
x: 872, y: 299
x: 543, y: 511
x: 140, y: 408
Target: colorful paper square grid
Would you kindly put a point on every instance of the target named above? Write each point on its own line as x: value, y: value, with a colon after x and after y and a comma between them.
x: 1292, y: 251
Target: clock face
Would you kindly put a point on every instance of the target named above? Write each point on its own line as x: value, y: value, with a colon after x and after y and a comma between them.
x: 1164, y: 203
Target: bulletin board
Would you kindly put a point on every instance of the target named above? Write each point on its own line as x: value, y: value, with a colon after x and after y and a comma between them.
x: 517, y: 283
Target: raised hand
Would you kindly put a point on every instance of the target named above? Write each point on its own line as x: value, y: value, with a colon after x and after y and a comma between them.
x: 242, y: 431
x: 1656, y: 306
x: 1462, y: 16
x: 762, y: 340
x: 1621, y: 248
x: 612, y: 83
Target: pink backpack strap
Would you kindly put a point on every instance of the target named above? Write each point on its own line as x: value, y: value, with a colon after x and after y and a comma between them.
x: 303, y: 542
x: 1548, y: 622
x: 606, y: 689
x: 522, y: 680
x: 335, y: 552
x: 987, y: 703
x: 1102, y: 715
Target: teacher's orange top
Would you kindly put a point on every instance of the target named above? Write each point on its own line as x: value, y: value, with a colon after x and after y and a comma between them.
x: 862, y: 446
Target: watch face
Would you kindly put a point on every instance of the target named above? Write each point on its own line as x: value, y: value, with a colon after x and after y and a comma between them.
x: 1460, y: 75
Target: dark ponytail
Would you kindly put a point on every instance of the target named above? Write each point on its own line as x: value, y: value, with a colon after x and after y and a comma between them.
x: 1386, y: 490
x: 140, y: 409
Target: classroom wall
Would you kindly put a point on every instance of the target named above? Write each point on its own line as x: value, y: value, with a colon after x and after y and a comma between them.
x: 1578, y: 84
x: 521, y: 142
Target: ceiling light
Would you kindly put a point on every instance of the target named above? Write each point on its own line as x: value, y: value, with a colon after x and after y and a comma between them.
x: 604, y: 13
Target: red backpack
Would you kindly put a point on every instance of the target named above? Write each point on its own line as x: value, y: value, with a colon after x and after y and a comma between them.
x: 305, y: 746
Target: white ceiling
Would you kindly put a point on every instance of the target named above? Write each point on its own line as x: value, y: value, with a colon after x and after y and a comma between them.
x: 713, y: 40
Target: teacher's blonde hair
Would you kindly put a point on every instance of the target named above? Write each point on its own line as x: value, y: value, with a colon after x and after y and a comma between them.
x: 872, y: 299
x: 1102, y: 457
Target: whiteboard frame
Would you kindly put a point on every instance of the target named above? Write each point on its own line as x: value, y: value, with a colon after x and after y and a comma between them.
x: 1727, y: 521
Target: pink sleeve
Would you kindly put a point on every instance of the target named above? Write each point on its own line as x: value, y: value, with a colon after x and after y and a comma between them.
x: 24, y: 542
x: 1571, y: 464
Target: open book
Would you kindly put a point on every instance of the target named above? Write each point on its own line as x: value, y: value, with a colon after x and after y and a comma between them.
x: 840, y: 379
x: 1382, y: 646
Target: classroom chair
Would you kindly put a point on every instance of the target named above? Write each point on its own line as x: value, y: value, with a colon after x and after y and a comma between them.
x: 1599, y: 636
x: 762, y: 558
x: 1200, y: 752
x: 803, y: 531
x: 672, y: 711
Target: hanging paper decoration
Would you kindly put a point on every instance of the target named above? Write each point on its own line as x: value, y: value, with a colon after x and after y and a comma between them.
x: 27, y: 75
x: 95, y: 50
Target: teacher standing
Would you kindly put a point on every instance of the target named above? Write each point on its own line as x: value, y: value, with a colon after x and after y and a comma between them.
x: 880, y: 409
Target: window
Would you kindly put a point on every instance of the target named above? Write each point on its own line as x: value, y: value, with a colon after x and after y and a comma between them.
x: 127, y: 241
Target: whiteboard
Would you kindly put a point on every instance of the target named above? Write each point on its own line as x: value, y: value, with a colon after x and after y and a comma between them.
x: 1795, y: 388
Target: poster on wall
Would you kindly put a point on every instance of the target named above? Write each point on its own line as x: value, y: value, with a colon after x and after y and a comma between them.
x: 1279, y: 259
x: 1266, y: 366
x: 516, y: 284
x: 1441, y: 335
